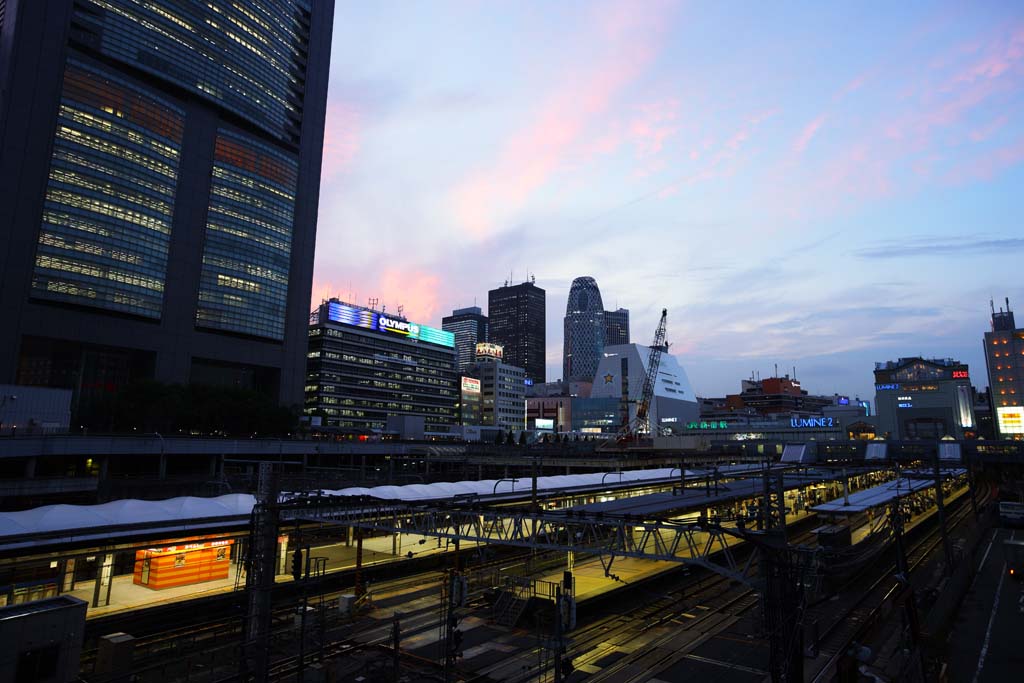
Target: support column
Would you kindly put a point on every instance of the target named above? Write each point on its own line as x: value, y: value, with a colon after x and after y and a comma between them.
x: 104, y: 579
x: 163, y: 466
x: 67, y: 575
x: 30, y: 467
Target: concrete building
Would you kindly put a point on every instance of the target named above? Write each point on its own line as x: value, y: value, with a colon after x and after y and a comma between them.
x: 621, y: 372
x: 161, y: 181
x: 516, y: 322
x: 469, y: 401
x: 502, y: 392
x: 365, y: 366
x: 924, y: 398
x: 584, y: 330
x: 1004, y: 360
x: 616, y: 327
x: 34, y: 410
x: 469, y: 325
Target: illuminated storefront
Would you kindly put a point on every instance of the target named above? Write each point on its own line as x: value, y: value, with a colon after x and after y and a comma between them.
x: 183, y: 565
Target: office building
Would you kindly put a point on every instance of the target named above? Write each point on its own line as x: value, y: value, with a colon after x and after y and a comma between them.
x: 1004, y: 359
x: 775, y: 395
x: 516, y: 322
x: 161, y: 171
x: 621, y: 374
x: 616, y: 327
x: 584, y: 330
x: 924, y: 398
x: 502, y: 391
x: 469, y: 401
x: 366, y: 366
x: 469, y: 325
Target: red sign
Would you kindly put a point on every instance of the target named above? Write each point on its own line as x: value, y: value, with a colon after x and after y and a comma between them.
x: 960, y: 374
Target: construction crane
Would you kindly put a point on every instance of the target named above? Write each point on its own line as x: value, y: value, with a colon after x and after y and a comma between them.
x: 641, y: 424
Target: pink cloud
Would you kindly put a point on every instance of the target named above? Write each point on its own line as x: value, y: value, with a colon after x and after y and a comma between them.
x: 417, y: 291
x: 988, y: 166
x: 807, y: 134
x: 985, y: 132
x: 529, y: 157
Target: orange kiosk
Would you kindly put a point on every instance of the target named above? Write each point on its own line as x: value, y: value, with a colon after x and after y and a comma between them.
x: 183, y: 565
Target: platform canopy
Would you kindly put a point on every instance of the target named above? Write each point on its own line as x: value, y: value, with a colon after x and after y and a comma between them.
x: 875, y: 496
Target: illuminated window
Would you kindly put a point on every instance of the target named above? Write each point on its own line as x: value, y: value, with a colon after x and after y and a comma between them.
x: 247, y: 252
x: 106, y: 222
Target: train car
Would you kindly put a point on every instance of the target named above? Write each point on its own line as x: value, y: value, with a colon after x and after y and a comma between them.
x: 1013, y: 551
x: 1011, y: 514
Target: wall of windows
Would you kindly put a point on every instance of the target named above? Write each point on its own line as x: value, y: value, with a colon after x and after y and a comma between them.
x: 248, y: 56
x: 243, y: 285
x: 106, y: 223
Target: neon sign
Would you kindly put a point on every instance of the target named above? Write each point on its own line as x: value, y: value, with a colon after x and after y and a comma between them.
x: 489, y: 350
x: 961, y: 374
x: 470, y: 385
x: 812, y: 422
x: 371, y: 320
x: 886, y: 387
x: 714, y: 424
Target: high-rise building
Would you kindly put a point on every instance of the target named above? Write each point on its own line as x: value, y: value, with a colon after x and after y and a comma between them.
x: 161, y: 165
x: 366, y: 366
x: 1004, y: 358
x: 924, y: 398
x: 469, y: 325
x: 584, y: 330
x: 616, y: 327
x: 502, y: 391
x: 516, y: 322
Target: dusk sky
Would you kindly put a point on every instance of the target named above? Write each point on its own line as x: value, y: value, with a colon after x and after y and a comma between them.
x: 813, y: 185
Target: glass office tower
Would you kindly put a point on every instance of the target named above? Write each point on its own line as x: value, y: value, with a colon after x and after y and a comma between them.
x: 162, y: 170
x: 516, y: 322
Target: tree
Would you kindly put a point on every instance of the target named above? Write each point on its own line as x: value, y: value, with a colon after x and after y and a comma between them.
x: 499, y: 438
x: 522, y: 438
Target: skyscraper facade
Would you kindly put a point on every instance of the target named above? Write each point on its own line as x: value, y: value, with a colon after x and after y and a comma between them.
x: 584, y: 327
x: 616, y: 327
x: 516, y: 321
x: 469, y: 325
x: 162, y: 173
x: 1004, y: 359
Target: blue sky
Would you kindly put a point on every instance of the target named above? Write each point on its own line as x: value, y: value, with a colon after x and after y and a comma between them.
x: 813, y: 186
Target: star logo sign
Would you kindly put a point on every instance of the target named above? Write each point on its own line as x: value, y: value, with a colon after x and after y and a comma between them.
x: 608, y: 378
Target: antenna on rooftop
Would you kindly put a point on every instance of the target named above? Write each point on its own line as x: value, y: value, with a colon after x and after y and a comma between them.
x: 372, y: 303
x: 401, y: 311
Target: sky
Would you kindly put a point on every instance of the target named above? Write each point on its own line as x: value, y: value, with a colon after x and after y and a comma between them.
x: 816, y: 186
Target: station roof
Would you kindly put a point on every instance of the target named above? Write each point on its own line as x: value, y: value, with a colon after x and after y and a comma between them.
x: 875, y: 496
x: 120, y: 518
x: 699, y: 496
x: 521, y: 486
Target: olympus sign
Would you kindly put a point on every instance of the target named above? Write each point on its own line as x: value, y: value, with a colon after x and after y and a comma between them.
x: 400, y: 326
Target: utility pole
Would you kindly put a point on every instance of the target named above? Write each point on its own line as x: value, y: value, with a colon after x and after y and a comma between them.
x: 396, y: 635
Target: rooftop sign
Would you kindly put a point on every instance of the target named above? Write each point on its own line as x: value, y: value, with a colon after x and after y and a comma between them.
x: 379, y: 322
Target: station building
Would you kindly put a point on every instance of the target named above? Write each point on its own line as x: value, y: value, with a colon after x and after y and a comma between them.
x: 922, y: 398
x: 366, y: 365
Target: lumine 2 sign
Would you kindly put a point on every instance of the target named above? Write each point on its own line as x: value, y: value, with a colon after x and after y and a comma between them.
x: 806, y: 422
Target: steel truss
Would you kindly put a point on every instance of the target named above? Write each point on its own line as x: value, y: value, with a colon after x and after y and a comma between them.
x: 709, y: 545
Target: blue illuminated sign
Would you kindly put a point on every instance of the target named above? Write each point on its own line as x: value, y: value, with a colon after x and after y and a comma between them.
x: 812, y: 422
x: 843, y: 401
x: 886, y: 387
x: 528, y: 382
x: 370, y: 320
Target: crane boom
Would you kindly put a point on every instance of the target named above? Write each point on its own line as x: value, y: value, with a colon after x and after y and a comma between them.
x: 653, y: 361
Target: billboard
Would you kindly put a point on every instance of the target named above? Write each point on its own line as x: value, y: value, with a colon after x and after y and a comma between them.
x: 470, y: 385
x: 379, y: 322
x: 542, y: 423
x: 1010, y: 419
x: 489, y: 350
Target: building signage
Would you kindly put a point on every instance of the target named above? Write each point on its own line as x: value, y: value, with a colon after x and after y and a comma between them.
x: 1010, y: 419
x: 812, y: 422
x: 470, y: 385
x: 713, y: 424
x: 489, y: 350
x: 961, y: 374
x: 886, y: 387
x: 543, y: 423
x: 371, y: 320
